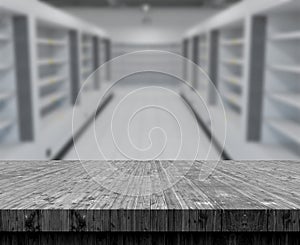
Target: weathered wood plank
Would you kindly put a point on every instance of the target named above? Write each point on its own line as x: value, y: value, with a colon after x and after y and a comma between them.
x: 149, y: 196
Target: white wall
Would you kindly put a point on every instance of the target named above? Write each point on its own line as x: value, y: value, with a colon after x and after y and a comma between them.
x: 125, y: 24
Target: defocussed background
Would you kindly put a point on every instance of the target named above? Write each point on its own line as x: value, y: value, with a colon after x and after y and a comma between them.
x: 246, y: 89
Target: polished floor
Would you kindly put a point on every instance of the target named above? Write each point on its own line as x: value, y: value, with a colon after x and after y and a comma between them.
x: 144, y: 123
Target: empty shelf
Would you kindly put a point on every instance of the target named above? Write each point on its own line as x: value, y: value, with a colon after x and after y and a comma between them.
x: 87, y: 45
x: 52, y: 62
x: 4, y: 124
x: 286, y: 36
x: 233, y: 99
x: 233, y: 80
x: 52, y: 99
x: 286, y: 68
x: 5, y: 96
x: 237, y: 62
x: 4, y: 38
x: 232, y: 42
x: 288, y: 99
x: 87, y: 58
x: 86, y: 71
x: 51, y: 80
x: 288, y: 128
x: 5, y: 67
x: 203, y: 45
x: 51, y: 42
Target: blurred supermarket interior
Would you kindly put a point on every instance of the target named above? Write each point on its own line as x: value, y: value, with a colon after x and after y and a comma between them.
x: 149, y: 79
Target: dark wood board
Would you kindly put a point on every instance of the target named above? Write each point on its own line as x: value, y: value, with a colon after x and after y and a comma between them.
x: 160, y: 238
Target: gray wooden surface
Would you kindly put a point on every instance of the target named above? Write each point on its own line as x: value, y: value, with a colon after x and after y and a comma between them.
x: 237, y: 196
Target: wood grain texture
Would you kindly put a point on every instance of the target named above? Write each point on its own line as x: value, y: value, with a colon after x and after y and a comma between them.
x: 59, y: 196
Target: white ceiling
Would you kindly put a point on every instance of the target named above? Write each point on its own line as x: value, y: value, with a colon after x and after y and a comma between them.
x: 126, y: 24
x: 160, y: 3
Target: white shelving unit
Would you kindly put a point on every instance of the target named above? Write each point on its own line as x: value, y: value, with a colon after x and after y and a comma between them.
x: 53, y: 69
x: 231, y: 65
x: 8, y: 100
x: 40, y: 75
x: 87, y: 59
x: 254, y: 61
x: 282, y: 86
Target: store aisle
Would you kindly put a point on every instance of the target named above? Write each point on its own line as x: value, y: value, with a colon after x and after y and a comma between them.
x: 144, y: 123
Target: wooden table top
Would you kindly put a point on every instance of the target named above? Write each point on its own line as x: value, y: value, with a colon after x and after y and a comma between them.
x: 261, y: 190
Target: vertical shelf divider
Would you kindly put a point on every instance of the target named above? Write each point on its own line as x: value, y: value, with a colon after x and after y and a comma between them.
x: 74, y: 65
x: 23, y: 76
x: 254, y: 91
x: 96, y: 62
x: 190, y: 71
x: 107, y: 58
x: 213, y: 64
x: 196, y: 61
